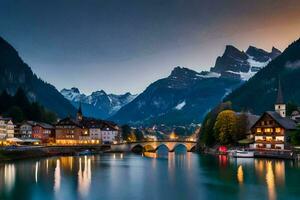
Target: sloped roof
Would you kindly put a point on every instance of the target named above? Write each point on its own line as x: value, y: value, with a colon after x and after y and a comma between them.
x: 252, y: 119
x: 285, y: 122
x: 44, y: 125
x: 69, y: 121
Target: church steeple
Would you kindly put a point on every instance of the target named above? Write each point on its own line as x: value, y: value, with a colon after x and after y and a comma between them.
x: 280, y: 106
x: 279, y: 94
x: 79, y: 113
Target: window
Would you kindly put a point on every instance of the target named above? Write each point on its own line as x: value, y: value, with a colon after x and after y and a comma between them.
x: 277, y: 130
x: 268, y: 130
x: 262, y: 123
x: 258, y: 130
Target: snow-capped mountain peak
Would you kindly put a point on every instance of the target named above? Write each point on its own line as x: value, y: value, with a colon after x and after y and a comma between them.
x: 98, y: 104
x: 243, y: 65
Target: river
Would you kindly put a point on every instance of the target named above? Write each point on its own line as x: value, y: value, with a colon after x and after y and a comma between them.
x: 153, y: 176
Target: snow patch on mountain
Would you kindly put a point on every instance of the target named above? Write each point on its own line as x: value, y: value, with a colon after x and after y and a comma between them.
x: 108, y: 104
x: 180, y: 105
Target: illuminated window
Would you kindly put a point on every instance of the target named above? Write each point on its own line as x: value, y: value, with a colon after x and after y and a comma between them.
x: 258, y: 130
x: 268, y: 130
x: 278, y: 130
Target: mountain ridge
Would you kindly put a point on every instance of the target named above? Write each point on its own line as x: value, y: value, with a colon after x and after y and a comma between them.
x: 98, y: 104
x: 15, y: 73
x: 259, y: 93
x: 185, y: 95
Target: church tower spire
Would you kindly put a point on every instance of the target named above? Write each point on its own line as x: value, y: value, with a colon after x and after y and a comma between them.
x: 79, y: 113
x: 280, y: 106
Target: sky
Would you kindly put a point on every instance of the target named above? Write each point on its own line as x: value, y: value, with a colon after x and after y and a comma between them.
x: 122, y: 46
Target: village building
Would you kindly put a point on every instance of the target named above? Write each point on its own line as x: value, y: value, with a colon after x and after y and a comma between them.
x: 68, y: 131
x: 43, y: 132
x: 84, y: 130
x: 296, y: 116
x: 25, y: 130
x: 6, y: 129
x: 271, y: 131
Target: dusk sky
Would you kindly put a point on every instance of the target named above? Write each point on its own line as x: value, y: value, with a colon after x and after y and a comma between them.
x: 125, y: 45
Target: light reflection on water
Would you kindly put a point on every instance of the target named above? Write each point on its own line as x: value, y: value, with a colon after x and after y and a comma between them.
x: 57, y: 176
x: 176, y: 172
x: 84, y: 176
x: 9, y: 176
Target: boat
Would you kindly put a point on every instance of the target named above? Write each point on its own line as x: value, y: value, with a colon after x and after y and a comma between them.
x: 243, y: 154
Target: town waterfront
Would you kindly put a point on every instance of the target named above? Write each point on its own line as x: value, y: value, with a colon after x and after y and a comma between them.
x: 161, y: 175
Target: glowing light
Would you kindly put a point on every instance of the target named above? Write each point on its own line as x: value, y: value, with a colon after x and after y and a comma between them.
x: 240, y: 174
x: 57, y: 176
x: 270, y: 181
x: 173, y: 136
x: 9, y: 176
x: 84, y: 176
x: 36, y: 171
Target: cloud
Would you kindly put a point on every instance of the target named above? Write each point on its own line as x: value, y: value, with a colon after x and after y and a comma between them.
x: 293, y: 65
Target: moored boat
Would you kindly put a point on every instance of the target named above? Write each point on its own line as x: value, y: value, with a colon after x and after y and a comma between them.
x: 243, y: 154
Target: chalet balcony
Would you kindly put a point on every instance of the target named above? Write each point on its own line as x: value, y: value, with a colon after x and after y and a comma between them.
x: 269, y: 133
x: 269, y: 141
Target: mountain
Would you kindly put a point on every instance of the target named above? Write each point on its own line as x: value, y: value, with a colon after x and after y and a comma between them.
x: 181, y: 98
x: 243, y: 65
x: 14, y: 74
x: 186, y: 96
x: 259, y: 93
x: 98, y: 104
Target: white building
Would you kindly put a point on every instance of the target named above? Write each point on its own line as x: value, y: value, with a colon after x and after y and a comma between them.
x: 109, y: 134
x: 25, y: 130
x: 7, y: 128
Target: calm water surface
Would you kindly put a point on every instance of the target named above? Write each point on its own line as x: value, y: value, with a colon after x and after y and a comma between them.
x: 152, y: 176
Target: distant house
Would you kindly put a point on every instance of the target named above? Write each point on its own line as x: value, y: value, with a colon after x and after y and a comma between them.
x: 43, y: 132
x: 6, y: 128
x: 83, y: 130
x: 25, y: 130
x: 68, y: 131
x: 296, y: 116
x: 272, y: 129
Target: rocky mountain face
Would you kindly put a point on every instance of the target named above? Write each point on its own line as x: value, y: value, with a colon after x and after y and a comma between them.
x: 259, y: 93
x: 181, y: 98
x: 186, y: 96
x: 243, y: 65
x: 14, y: 74
x: 98, y: 104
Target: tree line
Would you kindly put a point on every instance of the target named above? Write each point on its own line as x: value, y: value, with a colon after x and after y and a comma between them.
x: 223, y: 126
x: 19, y: 108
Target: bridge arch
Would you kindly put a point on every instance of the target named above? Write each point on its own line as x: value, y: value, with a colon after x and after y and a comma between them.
x: 149, y: 148
x: 163, y: 145
x: 177, y: 146
x: 138, y: 148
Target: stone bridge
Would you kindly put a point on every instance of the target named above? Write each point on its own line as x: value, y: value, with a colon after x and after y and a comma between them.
x: 152, y: 146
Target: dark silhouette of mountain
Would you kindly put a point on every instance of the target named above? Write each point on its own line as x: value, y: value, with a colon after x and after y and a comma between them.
x: 259, y: 93
x: 14, y: 74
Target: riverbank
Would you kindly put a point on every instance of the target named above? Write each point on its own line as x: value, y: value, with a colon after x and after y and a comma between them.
x: 276, y: 154
x: 26, y: 152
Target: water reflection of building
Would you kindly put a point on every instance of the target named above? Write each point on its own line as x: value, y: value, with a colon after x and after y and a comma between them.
x: 84, y: 176
x: 57, y: 176
x: 240, y: 174
x: 9, y: 176
x: 272, y: 172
